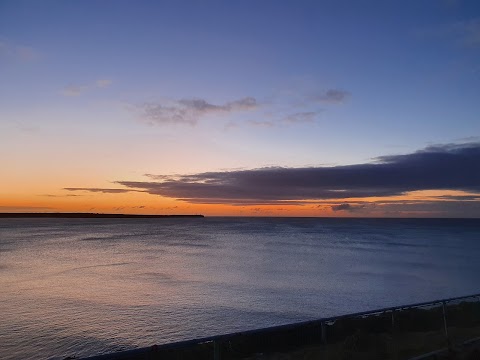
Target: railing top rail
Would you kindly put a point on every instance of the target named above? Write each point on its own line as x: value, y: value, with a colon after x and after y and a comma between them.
x: 226, y: 337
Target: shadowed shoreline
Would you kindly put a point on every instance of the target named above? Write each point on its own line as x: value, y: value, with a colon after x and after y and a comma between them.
x: 91, y: 215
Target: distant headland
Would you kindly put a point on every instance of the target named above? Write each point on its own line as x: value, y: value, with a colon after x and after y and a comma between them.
x: 91, y: 215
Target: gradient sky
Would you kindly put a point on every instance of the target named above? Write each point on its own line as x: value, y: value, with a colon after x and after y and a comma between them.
x: 273, y: 108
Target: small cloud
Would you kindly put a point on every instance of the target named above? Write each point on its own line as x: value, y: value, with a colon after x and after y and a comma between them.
x: 60, y: 196
x: 74, y: 90
x: 451, y: 3
x: 468, y: 32
x: 295, y: 118
x: 247, y: 103
x: 341, y: 207
x: 100, y: 190
x: 165, y: 114
x: 346, y: 207
x: 26, y: 53
x: 332, y: 96
x: 103, y: 83
x: 459, y: 197
x: 301, y: 117
x: 24, y: 208
x: 19, y: 52
x: 230, y: 125
x: 4, y: 49
x: 189, y: 111
x: 470, y: 139
x: 262, y: 123
x: 199, y: 105
x: 26, y: 128
x: 464, y: 33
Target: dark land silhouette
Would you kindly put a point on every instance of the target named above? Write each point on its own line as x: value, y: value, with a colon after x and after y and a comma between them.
x: 90, y: 215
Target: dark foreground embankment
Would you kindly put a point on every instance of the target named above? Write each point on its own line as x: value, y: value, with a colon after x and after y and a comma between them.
x: 391, y: 333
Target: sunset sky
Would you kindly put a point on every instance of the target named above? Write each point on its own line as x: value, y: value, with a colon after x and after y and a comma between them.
x: 249, y: 108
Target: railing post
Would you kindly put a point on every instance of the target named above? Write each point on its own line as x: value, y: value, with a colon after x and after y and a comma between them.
x: 394, y: 337
x: 323, y: 327
x: 444, y: 308
x: 216, y: 350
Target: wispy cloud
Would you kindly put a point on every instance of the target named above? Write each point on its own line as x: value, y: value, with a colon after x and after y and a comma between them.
x: 464, y: 33
x: 60, y: 196
x: 445, y: 167
x: 103, y: 83
x: 306, y: 117
x: 332, y: 96
x: 291, y: 108
x: 74, y: 90
x: 26, y: 53
x: 468, y: 32
x: 347, y: 207
x: 459, y: 197
x: 190, y: 111
x: 24, y: 208
x: 301, y: 117
x: 431, y: 208
x: 262, y: 123
x: 17, y: 52
x: 77, y: 90
x: 101, y: 190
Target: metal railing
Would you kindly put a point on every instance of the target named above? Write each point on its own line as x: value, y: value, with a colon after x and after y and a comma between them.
x: 396, y: 321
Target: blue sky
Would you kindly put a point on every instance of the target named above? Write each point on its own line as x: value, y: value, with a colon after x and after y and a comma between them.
x: 128, y: 88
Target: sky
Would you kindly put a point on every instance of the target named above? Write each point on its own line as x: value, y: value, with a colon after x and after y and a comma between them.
x: 241, y: 108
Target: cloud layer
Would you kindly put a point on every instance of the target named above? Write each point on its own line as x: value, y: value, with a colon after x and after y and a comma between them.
x: 446, y: 167
x: 190, y: 111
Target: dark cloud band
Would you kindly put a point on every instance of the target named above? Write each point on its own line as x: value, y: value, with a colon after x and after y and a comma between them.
x: 446, y: 167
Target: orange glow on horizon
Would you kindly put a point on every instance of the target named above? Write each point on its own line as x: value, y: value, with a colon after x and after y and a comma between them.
x: 144, y: 203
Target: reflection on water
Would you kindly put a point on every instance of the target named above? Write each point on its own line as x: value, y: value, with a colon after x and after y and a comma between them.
x: 87, y: 286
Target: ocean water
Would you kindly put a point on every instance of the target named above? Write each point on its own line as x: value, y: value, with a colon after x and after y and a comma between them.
x: 80, y: 287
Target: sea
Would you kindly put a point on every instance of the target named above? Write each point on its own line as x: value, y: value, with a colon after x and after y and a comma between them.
x: 82, y: 287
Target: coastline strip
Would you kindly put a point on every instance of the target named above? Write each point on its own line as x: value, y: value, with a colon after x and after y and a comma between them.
x: 91, y: 215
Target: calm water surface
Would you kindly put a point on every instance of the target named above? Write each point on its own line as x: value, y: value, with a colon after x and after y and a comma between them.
x: 79, y: 287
